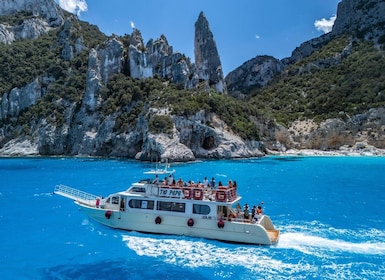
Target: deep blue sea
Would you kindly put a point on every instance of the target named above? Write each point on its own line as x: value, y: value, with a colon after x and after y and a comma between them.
x: 330, y: 211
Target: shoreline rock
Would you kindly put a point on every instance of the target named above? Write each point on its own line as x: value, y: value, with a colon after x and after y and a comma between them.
x: 359, y: 149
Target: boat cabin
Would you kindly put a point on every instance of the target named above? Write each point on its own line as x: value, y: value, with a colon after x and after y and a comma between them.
x: 148, y: 195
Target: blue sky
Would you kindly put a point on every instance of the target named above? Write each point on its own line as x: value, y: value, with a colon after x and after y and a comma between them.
x: 242, y: 29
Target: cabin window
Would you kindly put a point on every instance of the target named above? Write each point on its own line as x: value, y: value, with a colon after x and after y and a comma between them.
x: 115, y: 200
x: 171, y: 206
x: 142, y: 204
x: 201, y: 209
x: 139, y: 189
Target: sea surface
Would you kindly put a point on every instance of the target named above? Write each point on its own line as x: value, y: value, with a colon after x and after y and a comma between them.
x: 330, y: 211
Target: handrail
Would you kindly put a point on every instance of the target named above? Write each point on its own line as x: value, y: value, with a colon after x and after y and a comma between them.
x: 74, y: 194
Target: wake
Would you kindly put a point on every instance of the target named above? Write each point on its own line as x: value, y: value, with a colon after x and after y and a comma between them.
x: 310, y: 244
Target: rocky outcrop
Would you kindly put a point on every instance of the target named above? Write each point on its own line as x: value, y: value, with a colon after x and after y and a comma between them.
x: 46, y: 14
x: 70, y: 49
x: 18, y: 99
x: 157, y: 59
x: 6, y: 35
x: 332, y: 134
x: 362, y: 18
x: 48, y: 10
x: 358, y: 18
x: 256, y: 72
x: 207, y: 61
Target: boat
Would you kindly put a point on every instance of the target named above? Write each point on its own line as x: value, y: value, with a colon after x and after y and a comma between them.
x: 168, y: 207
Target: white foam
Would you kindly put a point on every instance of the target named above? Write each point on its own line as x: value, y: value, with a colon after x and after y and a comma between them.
x: 42, y: 194
x: 196, y: 254
x: 310, y: 244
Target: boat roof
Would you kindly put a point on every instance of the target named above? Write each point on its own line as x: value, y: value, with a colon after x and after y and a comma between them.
x: 160, y: 171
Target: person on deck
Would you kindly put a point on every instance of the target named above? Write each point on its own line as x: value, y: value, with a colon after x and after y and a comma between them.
x: 246, y: 212
x: 258, y: 213
x: 212, y: 183
x: 230, y: 184
x: 205, y: 182
x: 180, y: 182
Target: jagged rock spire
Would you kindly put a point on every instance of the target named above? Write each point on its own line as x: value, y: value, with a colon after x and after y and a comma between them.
x: 207, y: 61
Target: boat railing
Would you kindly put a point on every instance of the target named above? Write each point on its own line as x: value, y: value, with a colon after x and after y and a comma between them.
x: 75, y: 194
x: 222, y: 194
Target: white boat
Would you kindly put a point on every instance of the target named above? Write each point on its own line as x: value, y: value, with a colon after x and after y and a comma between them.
x: 180, y: 209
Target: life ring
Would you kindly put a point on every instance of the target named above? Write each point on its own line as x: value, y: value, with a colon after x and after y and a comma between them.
x: 190, y: 222
x: 198, y: 194
x: 158, y: 220
x: 220, y: 196
x: 221, y: 224
x: 108, y: 214
x: 187, y: 193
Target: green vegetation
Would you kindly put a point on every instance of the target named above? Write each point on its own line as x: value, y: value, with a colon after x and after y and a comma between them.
x: 306, y: 90
x: 354, y: 85
x: 127, y: 97
x: 161, y: 124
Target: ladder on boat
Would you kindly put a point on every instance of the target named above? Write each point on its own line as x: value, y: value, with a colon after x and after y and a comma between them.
x: 75, y: 194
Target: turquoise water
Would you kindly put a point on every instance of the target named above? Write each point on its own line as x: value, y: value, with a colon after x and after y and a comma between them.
x: 329, y: 210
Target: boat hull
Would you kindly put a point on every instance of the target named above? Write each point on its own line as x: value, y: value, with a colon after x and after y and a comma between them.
x: 194, y: 225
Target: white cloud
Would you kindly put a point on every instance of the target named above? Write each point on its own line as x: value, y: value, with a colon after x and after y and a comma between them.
x: 257, y: 36
x: 325, y: 25
x: 132, y: 24
x: 73, y: 6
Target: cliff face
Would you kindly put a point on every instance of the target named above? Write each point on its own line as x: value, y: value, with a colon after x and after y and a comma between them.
x: 208, y: 64
x: 359, y: 18
x: 157, y: 59
x: 46, y: 14
x: 256, y: 72
x: 87, y: 130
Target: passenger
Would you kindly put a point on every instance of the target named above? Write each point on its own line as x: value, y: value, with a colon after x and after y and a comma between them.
x: 156, y: 180
x: 205, y: 182
x: 230, y: 184
x: 246, y: 212
x: 238, y: 207
x: 173, y: 183
x: 235, y: 185
x: 220, y: 184
x: 238, y: 211
x: 97, y: 202
x: 259, y: 210
x: 170, y: 179
x: 253, y: 210
x: 258, y: 214
x: 212, y: 183
x: 180, y: 182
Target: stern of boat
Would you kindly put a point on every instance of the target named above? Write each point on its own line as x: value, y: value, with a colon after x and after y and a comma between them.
x: 272, y: 232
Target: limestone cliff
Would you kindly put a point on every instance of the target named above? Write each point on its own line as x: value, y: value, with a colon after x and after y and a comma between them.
x: 46, y: 14
x: 207, y: 61
x: 358, y: 18
x: 256, y: 72
x: 88, y: 125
